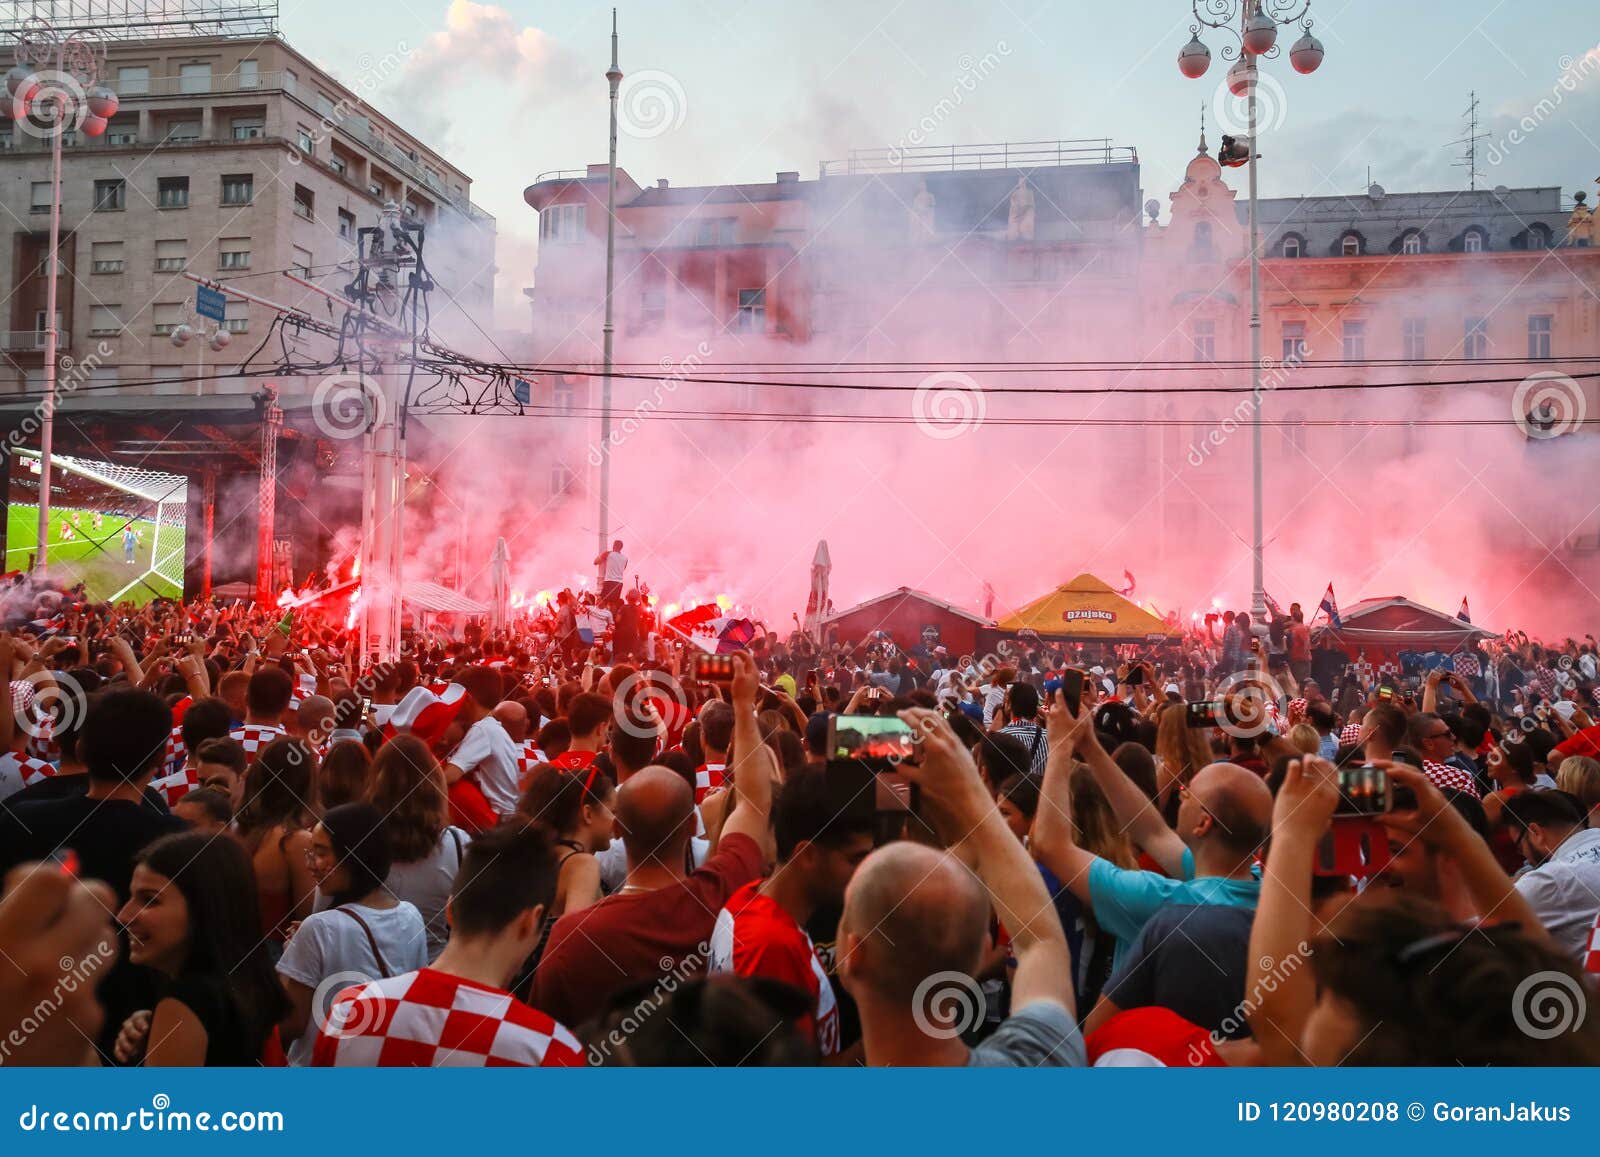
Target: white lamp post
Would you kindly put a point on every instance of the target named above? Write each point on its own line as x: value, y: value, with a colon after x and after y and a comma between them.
x: 53, y: 89
x: 1254, y: 23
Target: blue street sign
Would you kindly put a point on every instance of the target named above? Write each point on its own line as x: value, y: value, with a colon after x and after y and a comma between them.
x: 521, y: 391
x: 210, y: 303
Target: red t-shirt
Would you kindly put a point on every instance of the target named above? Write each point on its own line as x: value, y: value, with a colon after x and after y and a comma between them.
x: 755, y: 936
x: 573, y: 760
x: 1585, y: 742
x: 634, y: 937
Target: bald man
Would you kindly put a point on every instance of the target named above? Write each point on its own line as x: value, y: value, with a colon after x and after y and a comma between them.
x: 916, y: 924
x: 513, y: 716
x: 658, y: 924
x: 1224, y: 815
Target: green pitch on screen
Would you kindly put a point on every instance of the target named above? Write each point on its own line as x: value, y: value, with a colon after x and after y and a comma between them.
x: 100, y: 567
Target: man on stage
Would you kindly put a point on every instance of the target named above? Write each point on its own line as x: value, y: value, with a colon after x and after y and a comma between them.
x: 613, y: 565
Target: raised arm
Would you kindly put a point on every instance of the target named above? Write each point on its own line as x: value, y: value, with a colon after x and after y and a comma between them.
x: 1135, y: 813
x: 949, y: 777
x: 754, y: 765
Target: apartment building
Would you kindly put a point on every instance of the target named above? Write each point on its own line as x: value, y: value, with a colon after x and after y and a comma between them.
x: 234, y: 158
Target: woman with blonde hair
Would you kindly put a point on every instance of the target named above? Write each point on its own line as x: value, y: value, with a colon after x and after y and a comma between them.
x: 1181, y: 751
x: 1303, y: 737
x: 1579, y: 775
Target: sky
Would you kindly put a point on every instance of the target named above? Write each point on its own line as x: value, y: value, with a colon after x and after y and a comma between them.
x: 736, y: 90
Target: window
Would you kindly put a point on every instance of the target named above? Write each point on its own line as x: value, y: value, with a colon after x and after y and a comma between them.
x: 304, y: 203
x: 563, y: 395
x: 291, y: 80
x: 123, y: 134
x: 715, y: 231
x: 1294, y: 342
x: 1472, y: 242
x: 180, y: 131
x: 338, y: 164
x: 304, y: 141
x: 1350, y: 246
x: 377, y: 191
x: 39, y: 199
x: 249, y: 73
x: 1291, y: 247
x: 562, y: 224
x: 752, y: 310
x: 1354, y: 341
x: 194, y: 78
x: 347, y: 225
x: 166, y: 379
x: 234, y: 253
x: 1411, y: 243
x: 105, y: 320
x: 171, y: 256
x: 236, y: 316
x: 239, y: 189
x: 562, y: 480
x: 166, y: 318
x: 172, y: 192
x: 133, y: 81
x: 1413, y: 339
x: 1539, y: 325
x: 106, y: 256
x: 1475, y: 337
x: 1203, y: 337
x: 1201, y: 248
x: 301, y: 262
x: 249, y: 128
x: 110, y: 195
x: 1539, y: 236
x: 324, y: 104
x: 652, y: 307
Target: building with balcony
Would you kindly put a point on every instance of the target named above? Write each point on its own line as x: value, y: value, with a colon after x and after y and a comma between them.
x: 233, y: 158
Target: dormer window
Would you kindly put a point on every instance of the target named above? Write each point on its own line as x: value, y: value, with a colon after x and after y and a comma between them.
x: 1472, y: 242
x: 1411, y: 243
x: 1350, y: 245
x: 1291, y: 247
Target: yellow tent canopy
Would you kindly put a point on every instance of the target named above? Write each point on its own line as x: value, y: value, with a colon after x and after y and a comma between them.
x: 1085, y: 609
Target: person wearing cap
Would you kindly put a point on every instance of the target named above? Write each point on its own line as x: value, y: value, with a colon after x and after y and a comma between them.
x: 1562, y: 884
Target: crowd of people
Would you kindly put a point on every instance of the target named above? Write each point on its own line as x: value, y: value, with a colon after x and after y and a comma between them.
x: 527, y: 849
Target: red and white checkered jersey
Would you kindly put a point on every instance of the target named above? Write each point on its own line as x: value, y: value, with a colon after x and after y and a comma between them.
x: 755, y: 936
x: 18, y: 771
x: 1466, y: 665
x: 42, y: 743
x: 528, y: 757
x: 1591, y: 958
x: 431, y: 1019
x: 1451, y: 778
x: 707, y: 778
x: 254, y: 736
x: 177, y: 752
x: 1349, y: 734
x: 1546, y: 680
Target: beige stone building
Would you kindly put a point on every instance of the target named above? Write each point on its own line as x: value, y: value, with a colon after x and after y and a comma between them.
x: 233, y: 158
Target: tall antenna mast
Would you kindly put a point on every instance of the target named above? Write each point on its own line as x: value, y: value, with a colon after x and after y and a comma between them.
x: 1469, y: 155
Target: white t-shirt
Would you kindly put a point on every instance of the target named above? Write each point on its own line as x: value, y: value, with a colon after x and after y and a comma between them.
x: 489, y: 751
x: 330, y: 951
x: 426, y: 883
x: 613, y: 860
x: 1564, y: 891
x: 616, y: 566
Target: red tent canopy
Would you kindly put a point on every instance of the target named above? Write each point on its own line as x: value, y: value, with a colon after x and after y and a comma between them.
x: 910, y: 616
x: 1387, y: 626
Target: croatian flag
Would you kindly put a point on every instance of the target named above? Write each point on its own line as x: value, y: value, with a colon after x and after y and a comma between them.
x: 1462, y: 614
x: 710, y: 630
x: 1272, y: 605
x: 425, y: 713
x: 1330, y: 608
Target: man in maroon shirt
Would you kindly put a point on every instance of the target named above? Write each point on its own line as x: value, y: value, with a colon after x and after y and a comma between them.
x: 659, y: 924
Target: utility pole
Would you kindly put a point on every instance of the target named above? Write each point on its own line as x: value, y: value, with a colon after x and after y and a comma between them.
x: 614, y: 78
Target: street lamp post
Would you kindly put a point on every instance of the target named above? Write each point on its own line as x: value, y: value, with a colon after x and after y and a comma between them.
x: 614, y: 79
x: 53, y: 89
x: 1255, y: 24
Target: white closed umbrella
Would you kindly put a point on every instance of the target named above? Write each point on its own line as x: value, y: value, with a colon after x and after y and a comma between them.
x: 500, y: 586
